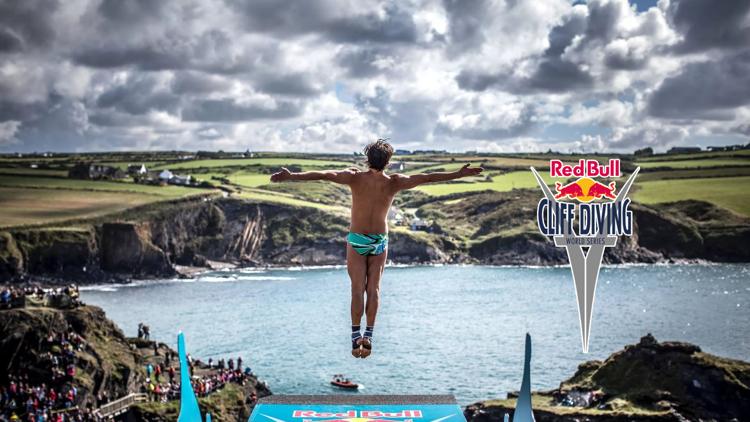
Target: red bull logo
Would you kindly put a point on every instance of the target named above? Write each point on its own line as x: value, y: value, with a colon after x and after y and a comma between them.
x: 599, y: 223
x: 354, y: 415
x: 585, y: 190
x: 585, y: 168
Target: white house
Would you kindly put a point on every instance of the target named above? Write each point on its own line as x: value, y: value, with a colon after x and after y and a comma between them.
x: 180, y: 180
x: 166, y: 175
x: 419, y: 225
x: 395, y: 215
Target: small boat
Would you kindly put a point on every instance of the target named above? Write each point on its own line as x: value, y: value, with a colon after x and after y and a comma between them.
x: 342, y: 382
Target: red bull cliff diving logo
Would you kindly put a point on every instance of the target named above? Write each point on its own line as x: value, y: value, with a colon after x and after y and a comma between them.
x: 602, y: 216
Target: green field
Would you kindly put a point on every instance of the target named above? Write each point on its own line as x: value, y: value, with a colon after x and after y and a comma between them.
x: 281, y: 198
x: 500, y: 183
x: 95, y: 185
x: 33, y: 172
x: 697, y: 155
x: 250, y: 180
x: 709, y: 162
x: 242, y: 162
x: 720, y: 178
x: 728, y: 192
x: 22, y: 206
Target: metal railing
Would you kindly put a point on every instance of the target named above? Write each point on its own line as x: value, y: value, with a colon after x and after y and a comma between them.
x: 121, y: 405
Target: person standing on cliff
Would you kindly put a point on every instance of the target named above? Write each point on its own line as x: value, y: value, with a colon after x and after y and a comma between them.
x: 367, y: 242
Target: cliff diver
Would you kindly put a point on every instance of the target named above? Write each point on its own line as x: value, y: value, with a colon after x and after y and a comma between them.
x: 367, y: 241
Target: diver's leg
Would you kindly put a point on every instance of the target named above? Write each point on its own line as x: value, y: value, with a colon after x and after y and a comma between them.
x: 375, y: 266
x: 356, y: 265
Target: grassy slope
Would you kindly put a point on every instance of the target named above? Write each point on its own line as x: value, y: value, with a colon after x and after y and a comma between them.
x: 708, y: 162
x: 32, y: 206
x: 95, y: 185
x: 39, y: 200
x: 727, y: 192
x: 241, y: 162
x: 500, y: 183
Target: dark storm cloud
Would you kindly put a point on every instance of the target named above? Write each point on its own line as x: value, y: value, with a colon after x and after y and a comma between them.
x: 553, y: 73
x: 229, y: 110
x: 292, y: 84
x: 709, y: 24
x: 206, y: 51
x: 704, y: 90
x: 362, y: 62
x: 9, y: 41
x: 628, y: 60
x: 131, y: 11
x: 465, y: 23
x: 602, y: 20
x: 29, y: 21
x: 144, y: 57
x: 406, y: 120
x: 139, y: 95
x: 198, y: 83
x: 58, y: 124
x: 12, y: 110
x: 285, y: 18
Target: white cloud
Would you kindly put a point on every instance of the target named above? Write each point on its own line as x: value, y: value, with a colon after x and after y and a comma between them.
x: 329, y: 75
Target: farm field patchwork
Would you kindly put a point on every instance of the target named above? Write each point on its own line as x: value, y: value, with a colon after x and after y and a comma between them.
x: 281, y: 198
x: 96, y: 185
x: 728, y: 192
x: 21, y: 206
x: 249, y: 180
x: 500, y: 183
x: 242, y: 162
x: 709, y: 162
x: 696, y: 155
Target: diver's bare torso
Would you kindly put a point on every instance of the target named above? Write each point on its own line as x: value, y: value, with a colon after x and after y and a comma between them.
x: 372, y: 196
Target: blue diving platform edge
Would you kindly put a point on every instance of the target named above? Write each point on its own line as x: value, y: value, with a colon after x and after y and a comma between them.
x: 353, y: 407
x: 357, y: 408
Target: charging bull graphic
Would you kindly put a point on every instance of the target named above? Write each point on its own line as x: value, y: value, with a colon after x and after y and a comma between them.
x: 585, y: 190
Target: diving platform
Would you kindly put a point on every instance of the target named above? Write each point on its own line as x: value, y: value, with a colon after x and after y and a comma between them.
x: 357, y: 408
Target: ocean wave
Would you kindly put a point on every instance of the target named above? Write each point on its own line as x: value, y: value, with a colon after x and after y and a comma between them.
x: 226, y: 279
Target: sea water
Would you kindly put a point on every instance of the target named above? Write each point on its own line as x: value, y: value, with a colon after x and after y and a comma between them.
x: 440, y: 330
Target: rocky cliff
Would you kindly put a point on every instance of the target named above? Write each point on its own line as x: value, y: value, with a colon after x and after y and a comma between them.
x: 486, y: 227
x: 32, y: 350
x: 648, y: 381
x: 104, y: 363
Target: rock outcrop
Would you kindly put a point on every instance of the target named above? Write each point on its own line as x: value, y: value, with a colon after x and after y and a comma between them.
x: 648, y: 381
x: 106, y: 363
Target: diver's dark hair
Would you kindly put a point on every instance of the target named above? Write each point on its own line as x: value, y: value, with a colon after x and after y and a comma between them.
x: 378, y: 154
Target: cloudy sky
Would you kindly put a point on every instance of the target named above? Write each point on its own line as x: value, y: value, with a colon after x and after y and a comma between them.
x: 329, y: 75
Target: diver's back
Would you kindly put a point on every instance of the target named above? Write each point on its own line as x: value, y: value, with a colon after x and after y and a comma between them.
x: 372, y: 195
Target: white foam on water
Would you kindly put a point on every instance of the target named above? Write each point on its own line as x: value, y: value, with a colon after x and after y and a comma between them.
x: 220, y: 279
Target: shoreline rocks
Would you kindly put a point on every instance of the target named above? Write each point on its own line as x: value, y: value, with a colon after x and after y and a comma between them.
x: 648, y: 381
x: 159, y: 241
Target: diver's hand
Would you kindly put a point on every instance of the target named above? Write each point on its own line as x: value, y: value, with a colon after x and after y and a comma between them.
x: 469, y: 171
x: 282, y: 175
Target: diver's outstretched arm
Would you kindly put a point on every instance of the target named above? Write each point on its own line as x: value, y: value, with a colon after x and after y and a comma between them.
x: 343, y: 177
x: 407, y: 182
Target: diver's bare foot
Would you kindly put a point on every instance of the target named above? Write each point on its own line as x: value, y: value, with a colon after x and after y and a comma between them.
x: 357, y: 348
x: 366, y: 347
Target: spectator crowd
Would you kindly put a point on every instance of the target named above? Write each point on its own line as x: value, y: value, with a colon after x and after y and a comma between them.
x: 20, y: 297
x: 53, y: 399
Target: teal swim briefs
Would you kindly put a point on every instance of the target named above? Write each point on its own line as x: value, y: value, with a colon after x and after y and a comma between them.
x: 368, y: 244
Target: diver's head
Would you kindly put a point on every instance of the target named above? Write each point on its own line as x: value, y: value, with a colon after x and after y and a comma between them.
x: 378, y: 154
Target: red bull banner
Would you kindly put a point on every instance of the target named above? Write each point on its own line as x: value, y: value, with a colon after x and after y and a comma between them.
x: 357, y: 413
x: 595, y: 215
x: 585, y: 216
